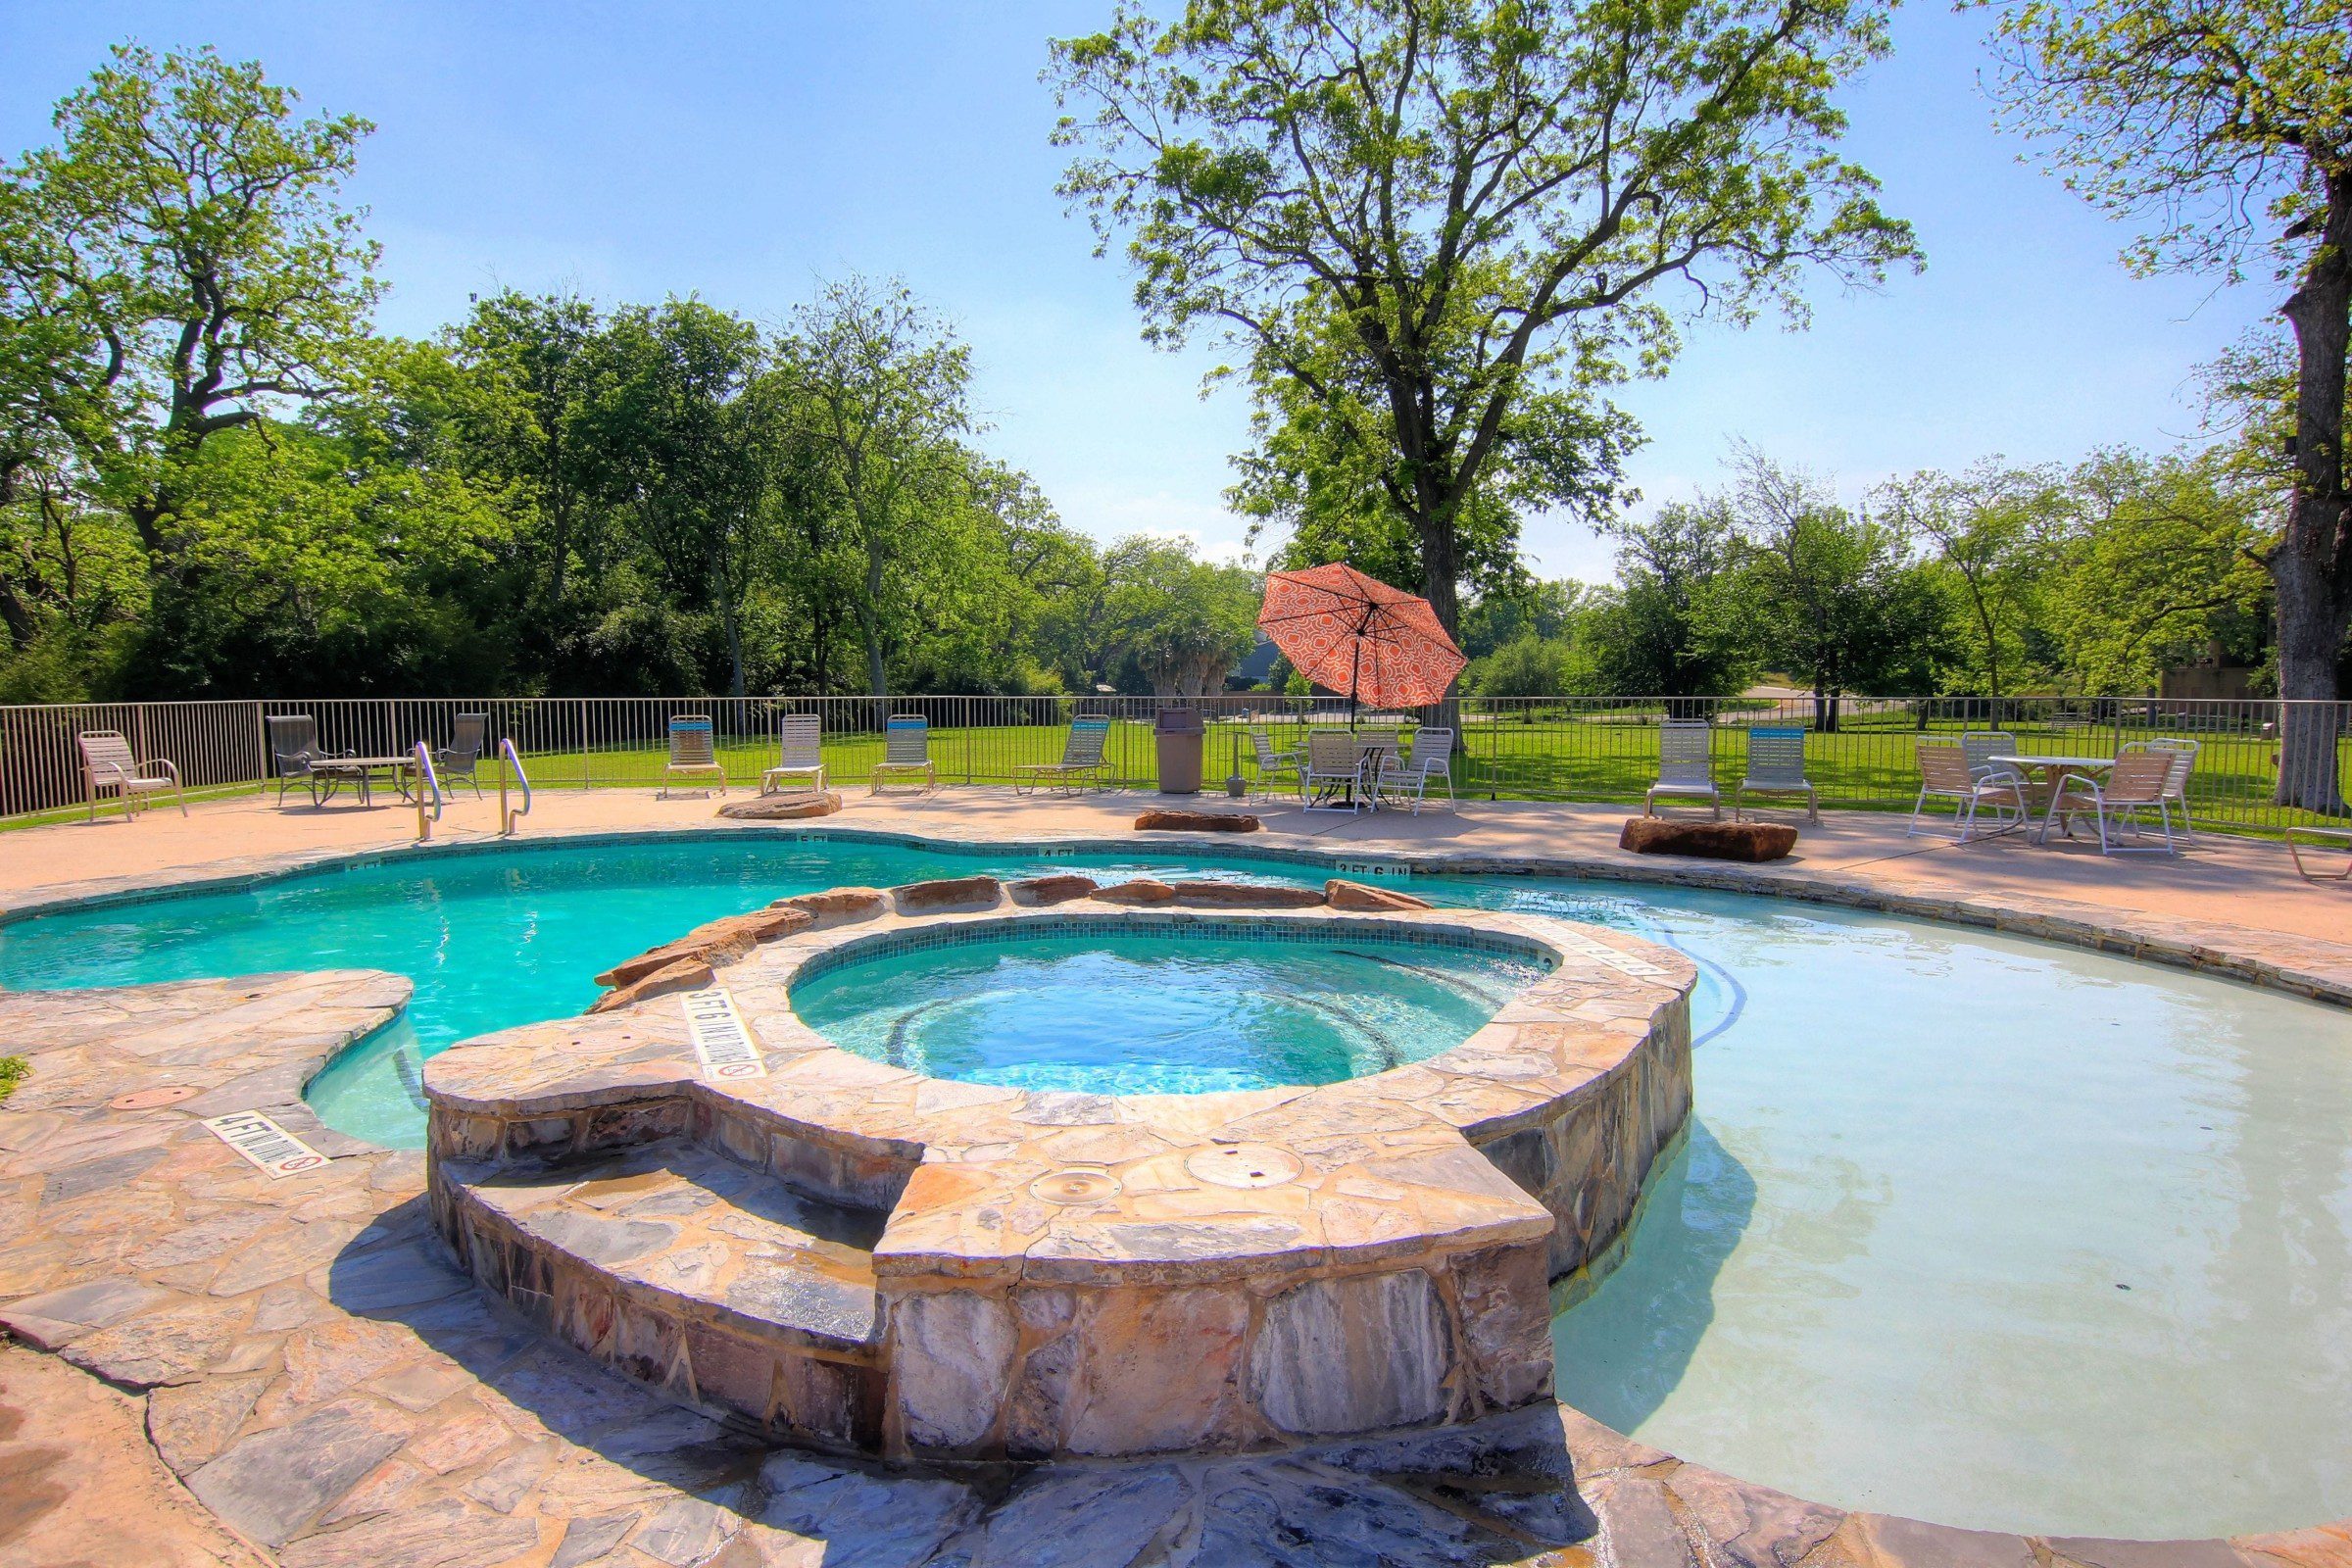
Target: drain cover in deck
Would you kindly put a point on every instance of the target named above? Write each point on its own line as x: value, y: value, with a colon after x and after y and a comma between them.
x: 1243, y: 1165
x: 149, y: 1098
x: 1075, y: 1187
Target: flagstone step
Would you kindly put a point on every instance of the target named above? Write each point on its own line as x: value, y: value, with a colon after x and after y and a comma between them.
x: 682, y: 1268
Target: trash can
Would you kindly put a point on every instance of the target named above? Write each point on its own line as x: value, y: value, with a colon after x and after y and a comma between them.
x: 1178, y: 734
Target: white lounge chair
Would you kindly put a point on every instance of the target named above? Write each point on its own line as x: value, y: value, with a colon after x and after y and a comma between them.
x: 1427, y: 756
x: 1081, y: 760
x: 1776, y: 766
x: 106, y: 764
x: 2136, y: 783
x: 693, y: 754
x: 906, y: 748
x: 799, y: 754
x: 1334, y: 771
x: 1685, y: 764
x: 1945, y: 774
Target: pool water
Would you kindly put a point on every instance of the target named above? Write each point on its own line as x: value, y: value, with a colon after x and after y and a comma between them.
x: 1980, y: 1230
x: 1161, y: 1011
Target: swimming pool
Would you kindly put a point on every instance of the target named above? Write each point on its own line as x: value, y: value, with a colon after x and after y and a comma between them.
x: 1161, y: 1010
x: 1967, y: 1227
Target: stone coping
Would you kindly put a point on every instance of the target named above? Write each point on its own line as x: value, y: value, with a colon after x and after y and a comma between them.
x: 309, y: 1365
x: 953, y: 1160
x: 1061, y: 1273
x: 2305, y: 966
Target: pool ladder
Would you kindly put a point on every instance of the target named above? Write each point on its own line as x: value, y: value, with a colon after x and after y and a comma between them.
x: 427, y: 782
x: 514, y: 767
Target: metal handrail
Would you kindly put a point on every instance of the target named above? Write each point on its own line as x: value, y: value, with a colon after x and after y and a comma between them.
x: 426, y: 779
x: 513, y: 763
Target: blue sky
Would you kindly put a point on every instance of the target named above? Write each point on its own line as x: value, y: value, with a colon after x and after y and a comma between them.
x: 744, y: 151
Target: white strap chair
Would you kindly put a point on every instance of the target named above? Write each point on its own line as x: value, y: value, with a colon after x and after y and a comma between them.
x: 693, y: 754
x: 1273, y: 765
x: 2136, y: 783
x: 1944, y: 776
x: 2183, y: 752
x: 1685, y: 764
x: 1334, y: 771
x: 1428, y: 757
x: 905, y: 749
x: 1081, y: 761
x: 799, y: 754
x: 1776, y: 766
x: 106, y: 764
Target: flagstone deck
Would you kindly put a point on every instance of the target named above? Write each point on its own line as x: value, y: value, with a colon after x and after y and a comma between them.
x: 319, y: 1379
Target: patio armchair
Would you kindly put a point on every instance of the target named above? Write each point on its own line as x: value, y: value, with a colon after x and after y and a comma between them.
x: 1685, y: 764
x: 1333, y: 764
x: 1981, y: 746
x: 693, y: 754
x: 293, y: 748
x: 2139, y: 782
x: 106, y: 764
x: 1081, y: 760
x: 469, y: 739
x: 1945, y: 774
x: 1776, y: 766
x: 906, y: 748
x: 1272, y: 764
x: 799, y: 754
x: 2183, y: 754
x: 1428, y: 757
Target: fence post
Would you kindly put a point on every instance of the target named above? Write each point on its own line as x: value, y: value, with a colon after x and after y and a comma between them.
x: 586, y: 777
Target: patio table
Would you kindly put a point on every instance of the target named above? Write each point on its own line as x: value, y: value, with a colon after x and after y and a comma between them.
x: 361, y: 772
x: 2053, y: 770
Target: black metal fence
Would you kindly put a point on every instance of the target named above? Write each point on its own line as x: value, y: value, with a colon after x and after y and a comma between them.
x: 1858, y: 753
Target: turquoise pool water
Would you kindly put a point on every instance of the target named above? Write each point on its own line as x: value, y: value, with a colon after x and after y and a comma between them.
x: 1158, y: 1012
x: 1969, y: 1228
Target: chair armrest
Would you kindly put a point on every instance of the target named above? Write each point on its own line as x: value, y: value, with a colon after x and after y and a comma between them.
x: 163, y: 762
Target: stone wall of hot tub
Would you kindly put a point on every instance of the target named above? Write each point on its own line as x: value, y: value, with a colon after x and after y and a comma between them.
x: 852, y: 1256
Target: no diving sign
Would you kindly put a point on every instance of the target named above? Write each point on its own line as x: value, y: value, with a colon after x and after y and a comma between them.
x: 721, y: 1043
x: 264, y: 1141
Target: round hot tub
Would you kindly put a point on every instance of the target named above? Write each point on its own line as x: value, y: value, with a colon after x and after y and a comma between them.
x: 1151, y: 1005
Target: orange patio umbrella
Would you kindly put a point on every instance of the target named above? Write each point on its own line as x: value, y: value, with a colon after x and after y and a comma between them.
x: 1350, y: 633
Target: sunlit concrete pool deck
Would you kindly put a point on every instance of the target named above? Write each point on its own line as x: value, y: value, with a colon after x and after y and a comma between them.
x: 249, y: 1371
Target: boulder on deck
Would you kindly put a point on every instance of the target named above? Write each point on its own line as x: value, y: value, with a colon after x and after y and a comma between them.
x: 1708, y: 841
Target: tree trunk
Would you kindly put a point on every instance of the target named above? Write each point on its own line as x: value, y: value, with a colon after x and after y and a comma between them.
x: 2311, y: 569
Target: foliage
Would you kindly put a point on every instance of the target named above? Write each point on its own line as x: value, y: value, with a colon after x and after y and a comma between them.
x: 2225, y: 127
x: 172, y: 264
x: 12, y: 1071
x: 1840, y: 602
x: 1679, y: 623
x: 1437, y: 228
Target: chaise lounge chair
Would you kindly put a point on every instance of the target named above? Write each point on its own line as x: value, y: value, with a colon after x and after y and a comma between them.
x: 1776, y: 766
x: 906, y: 748
x: 1081, y: 760
x: 1685, y: 764
x: 799, y: 752
x: 693, y: 753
